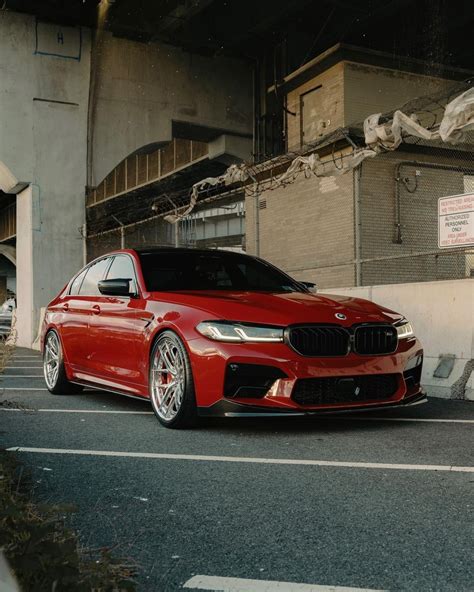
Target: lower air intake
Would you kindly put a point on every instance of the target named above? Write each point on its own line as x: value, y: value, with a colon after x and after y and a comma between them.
x: 347, y: 389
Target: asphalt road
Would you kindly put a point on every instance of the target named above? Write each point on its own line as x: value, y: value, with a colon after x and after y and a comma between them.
x: 373, y: 502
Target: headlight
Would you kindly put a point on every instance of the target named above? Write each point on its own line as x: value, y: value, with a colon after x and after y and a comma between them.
x: 405, y: 330
x: 237, y: 332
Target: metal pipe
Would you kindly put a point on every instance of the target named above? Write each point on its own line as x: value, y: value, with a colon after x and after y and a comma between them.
x: 257, y: 224
x: 357, y: 224
x: 84, y: 243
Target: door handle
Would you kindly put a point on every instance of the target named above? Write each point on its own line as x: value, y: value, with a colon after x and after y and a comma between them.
x: 96, y: 309
x: 65, y: 307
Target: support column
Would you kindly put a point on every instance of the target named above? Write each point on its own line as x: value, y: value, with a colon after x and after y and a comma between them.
x: 26, y: 317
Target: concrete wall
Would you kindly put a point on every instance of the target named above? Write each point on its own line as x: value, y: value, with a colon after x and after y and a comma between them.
x: 307, y: 229
x: 140, y: 89
x: 43, y: 119
x: 443, y: 317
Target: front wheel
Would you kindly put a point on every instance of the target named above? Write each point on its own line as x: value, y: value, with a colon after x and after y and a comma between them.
x: 171, y: 383
x: 53, y: 367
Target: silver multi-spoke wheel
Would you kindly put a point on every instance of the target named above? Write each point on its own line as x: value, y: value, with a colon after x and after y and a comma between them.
x: 168, y: 379
x: 52, y: 359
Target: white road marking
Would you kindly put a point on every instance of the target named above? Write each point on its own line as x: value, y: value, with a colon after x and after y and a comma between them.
x: 23, y: 375
x: 19, y: 390
x: 412, y: 419
x: 245, y: 459
x: 244, y: 585
x: 81, y: 411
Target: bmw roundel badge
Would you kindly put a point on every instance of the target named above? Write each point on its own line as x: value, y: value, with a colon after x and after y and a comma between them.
x: 340, y: 316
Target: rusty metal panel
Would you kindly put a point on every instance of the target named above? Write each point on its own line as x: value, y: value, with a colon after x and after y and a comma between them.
x: 120, y: 178
x: 142, y: 166
x: 183, y: 152
x: 110, y: 184
x: 131, y: 163
x: 153, y: 165
x: 168, y: 158
x: 198, y: 150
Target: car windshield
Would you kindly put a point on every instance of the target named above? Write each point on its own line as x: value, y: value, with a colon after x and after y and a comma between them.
x: 187, y: 270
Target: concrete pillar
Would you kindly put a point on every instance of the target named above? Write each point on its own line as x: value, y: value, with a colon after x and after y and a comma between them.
x: 24, y: 257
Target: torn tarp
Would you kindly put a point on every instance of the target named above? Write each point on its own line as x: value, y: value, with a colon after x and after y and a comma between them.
x: 458, y: 118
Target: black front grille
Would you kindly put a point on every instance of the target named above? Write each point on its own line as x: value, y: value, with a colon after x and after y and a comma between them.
x: 375, y: 339
x: 347, y: 389
x: 333, y: 340
x: 319, y: 340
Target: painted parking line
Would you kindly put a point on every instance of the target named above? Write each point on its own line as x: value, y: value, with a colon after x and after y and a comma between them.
x: 100, y: 411
x: 409, y: 419
x: 244, y: 585
x: 246, y: 459
x: 24, y: 367
x: 325, y: 419
x: 20, y: 390
x: 23, y: 375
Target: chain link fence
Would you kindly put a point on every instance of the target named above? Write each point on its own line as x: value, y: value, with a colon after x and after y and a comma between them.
x: 219, y: 224
x: 398, y: 217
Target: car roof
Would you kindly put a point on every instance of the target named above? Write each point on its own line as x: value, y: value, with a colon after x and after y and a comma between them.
x: 184, y: 250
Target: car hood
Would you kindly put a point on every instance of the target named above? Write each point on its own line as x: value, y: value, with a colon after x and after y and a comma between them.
x: 282, y: 308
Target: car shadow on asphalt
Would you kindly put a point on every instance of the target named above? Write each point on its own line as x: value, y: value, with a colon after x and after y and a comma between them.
x: 359, y: 421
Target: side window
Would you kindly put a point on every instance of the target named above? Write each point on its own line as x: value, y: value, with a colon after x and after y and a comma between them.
x: 122, y: 268
x: 94, y: 274
x: 76, y: 284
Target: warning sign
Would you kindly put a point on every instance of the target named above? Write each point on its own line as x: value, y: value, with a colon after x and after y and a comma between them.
x: 456, y: 221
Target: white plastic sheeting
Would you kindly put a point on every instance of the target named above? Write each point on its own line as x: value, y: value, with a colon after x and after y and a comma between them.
x: 313, y: 164
x: 458, y: 119
x: 234, y: 174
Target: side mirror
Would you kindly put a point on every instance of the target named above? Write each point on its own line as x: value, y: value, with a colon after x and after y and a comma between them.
x: 311, y: 286
x: 118, y: 287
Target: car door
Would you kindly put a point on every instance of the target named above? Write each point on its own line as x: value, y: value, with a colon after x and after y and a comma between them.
x: 80, y: 305
x: 74, y: 321
x: 117, y: 330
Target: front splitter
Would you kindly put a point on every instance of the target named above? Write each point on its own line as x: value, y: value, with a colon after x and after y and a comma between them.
x: 226, y: 408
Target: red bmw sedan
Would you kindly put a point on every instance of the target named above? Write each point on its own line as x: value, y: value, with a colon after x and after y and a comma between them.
x: 205, y: 333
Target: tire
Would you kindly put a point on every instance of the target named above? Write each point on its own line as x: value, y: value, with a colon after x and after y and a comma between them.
x: 53, y: 367
x: 174, y: 406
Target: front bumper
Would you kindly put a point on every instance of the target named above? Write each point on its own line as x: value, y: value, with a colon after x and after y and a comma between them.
x: 210, y: 361
x: 226, y: 408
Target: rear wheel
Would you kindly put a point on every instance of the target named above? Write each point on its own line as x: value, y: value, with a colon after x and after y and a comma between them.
x: 53, y: 367
x: 171, y: 383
